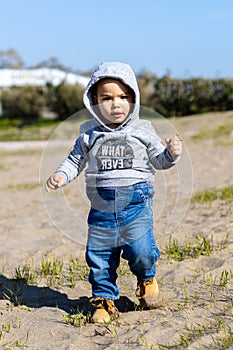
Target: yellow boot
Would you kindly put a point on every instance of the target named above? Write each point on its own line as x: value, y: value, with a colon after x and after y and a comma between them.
x: 147, y: 293
x: 105, y: 310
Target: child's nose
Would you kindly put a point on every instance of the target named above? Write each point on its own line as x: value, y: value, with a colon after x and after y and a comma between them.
x: 116, y: 102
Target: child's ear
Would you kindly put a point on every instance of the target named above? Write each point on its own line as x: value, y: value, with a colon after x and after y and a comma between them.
x: 94, y: 99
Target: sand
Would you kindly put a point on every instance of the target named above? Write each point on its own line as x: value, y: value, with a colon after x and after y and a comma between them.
x: 49, y: 310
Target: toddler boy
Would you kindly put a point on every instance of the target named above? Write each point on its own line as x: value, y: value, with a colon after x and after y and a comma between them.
x: 122, y: 153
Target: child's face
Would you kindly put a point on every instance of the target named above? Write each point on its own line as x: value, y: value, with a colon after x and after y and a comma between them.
x: 114, y: 100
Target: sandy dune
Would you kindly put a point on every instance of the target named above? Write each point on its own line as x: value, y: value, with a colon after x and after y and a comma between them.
x: 50, y: 309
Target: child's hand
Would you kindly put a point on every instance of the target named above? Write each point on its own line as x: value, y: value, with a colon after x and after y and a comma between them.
x: 174, y: 146
x: 54, y: 182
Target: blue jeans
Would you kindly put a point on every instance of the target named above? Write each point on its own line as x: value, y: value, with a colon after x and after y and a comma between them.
x: 120, y: 222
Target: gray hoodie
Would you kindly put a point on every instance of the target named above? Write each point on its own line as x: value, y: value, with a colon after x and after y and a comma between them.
x: 122, y: 156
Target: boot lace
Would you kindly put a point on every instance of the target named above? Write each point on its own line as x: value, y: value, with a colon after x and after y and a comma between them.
x: 107, y: 304
x: 141, y: 287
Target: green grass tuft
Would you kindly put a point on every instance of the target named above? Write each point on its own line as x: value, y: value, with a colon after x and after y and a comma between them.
x: 192, y: 249
x: 221, y: 131
x: 225, y: 194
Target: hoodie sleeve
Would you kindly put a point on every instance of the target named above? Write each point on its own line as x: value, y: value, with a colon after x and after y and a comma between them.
x: 72, y: 166
x: 158, y: 154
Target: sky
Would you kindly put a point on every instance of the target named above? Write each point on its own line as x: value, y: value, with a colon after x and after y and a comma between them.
x: 186, y: 38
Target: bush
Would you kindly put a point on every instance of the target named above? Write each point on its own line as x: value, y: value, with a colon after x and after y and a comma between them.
x: 184, y: 97
x: 65, y: 99
x: 25, y: 102
x: 169, y: 97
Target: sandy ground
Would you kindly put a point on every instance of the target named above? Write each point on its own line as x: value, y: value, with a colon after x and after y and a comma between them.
x: 50, y: 310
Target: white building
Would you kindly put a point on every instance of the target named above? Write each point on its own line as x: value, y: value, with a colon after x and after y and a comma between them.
x: 39, y: 77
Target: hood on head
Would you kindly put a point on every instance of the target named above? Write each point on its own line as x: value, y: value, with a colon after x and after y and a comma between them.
x: 116, y: 70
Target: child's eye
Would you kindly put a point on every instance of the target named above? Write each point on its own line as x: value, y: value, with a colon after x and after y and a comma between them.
x: 124, y: 97
x: 107, y: 98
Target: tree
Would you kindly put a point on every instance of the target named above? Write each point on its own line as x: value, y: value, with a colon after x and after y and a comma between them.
x: 10, y: 59
x: 52, y: 62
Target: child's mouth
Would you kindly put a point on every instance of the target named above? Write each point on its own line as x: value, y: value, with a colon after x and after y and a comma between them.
x: 117, y: 115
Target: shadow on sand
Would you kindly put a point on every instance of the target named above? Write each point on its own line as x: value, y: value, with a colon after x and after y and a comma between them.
x: 18, y: 292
